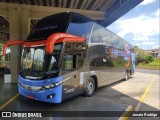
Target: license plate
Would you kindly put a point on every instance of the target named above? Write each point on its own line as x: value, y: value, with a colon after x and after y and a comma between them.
x: 30, y: 96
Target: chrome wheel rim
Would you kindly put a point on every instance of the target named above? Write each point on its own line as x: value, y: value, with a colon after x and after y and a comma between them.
x: 90, y: 87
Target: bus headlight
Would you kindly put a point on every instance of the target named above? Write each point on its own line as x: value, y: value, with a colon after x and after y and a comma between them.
x: 47, y: 86
x: 52, y: 85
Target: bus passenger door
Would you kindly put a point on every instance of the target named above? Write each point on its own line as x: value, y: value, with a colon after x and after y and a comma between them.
x: 70, y: 74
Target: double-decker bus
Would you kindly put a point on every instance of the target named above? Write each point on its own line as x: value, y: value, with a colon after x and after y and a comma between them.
x: 68, y: 54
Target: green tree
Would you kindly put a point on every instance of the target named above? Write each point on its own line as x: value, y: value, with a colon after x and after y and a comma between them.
x: 148, y: 58
x: 139, y: 54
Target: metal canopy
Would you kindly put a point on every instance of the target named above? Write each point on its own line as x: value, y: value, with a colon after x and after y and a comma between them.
x: 113, y: 9
x: 118, y: 9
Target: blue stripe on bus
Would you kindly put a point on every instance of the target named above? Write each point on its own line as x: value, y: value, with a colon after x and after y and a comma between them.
x: 42, y: 95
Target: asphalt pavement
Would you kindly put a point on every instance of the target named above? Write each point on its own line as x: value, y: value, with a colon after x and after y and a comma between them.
x: 157, y: 72
x: 142, y: 91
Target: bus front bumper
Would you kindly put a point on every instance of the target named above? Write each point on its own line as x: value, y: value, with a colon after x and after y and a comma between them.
x: 53, y: 95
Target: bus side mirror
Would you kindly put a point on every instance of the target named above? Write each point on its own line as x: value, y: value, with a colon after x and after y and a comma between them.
x: 60, y: 37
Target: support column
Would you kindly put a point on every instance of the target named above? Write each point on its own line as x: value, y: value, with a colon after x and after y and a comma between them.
x: 25, y: 22
x: 19, y: 26
x: 14, y: 30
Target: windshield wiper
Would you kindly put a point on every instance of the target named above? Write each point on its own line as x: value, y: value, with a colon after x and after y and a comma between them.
x: 27, y: 72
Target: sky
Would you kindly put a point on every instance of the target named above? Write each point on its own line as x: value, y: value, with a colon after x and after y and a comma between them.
x: 140, y: 26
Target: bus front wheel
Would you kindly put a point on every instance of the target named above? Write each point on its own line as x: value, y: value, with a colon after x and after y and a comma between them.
x: 90, y: 88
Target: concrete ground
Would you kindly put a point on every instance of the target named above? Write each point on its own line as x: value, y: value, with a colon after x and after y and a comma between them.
x: 142, y: 91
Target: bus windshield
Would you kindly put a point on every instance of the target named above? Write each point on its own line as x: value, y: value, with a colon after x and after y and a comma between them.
x: 35, y: 63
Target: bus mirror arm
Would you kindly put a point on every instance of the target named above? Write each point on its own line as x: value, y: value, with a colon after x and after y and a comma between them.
x: 15, y: 42
x: 60, y: 37
x: 51, y: 40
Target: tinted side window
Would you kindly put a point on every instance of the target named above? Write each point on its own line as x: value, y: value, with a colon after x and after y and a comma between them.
x: 74, y: 56
x: 100, y: 35
x: 81, y: 52
x: 80, y: 27
x: 69, y: 62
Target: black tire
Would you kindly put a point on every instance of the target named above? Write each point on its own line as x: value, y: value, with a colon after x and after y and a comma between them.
x: 90, y: 88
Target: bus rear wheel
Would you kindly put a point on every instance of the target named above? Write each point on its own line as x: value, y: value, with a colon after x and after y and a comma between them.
x: 90, y: 88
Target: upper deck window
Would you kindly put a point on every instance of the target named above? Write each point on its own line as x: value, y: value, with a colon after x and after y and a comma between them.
x: 80, y: 26
x: 100, y: 35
